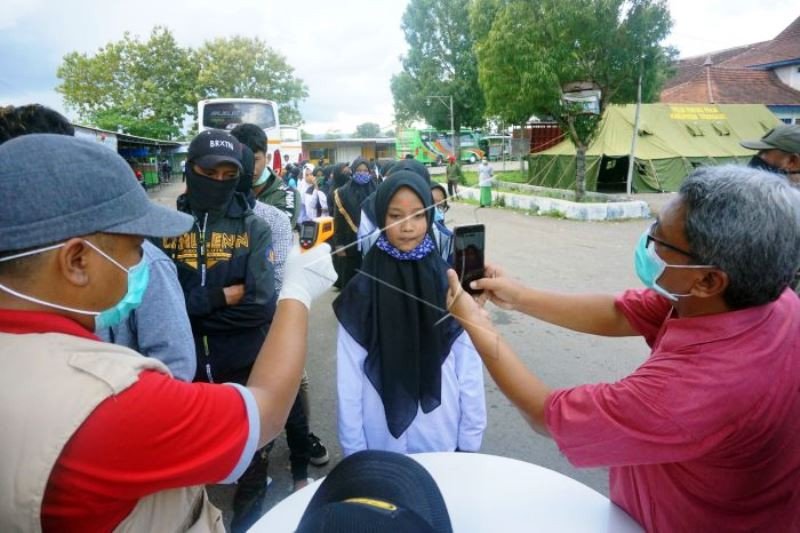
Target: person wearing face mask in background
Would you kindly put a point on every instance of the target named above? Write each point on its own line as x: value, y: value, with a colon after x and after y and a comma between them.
x: 705, y: 434
x: 778, y: 152
x: 347, y: 201
x: 268, y: 187
x: 442, y: 234
x: 95, y: 436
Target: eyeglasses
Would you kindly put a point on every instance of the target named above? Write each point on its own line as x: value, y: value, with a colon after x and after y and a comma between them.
x: 665, y: 244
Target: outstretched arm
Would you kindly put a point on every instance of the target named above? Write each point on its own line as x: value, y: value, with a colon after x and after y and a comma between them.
x: 587, y: 313
x: 525, y: 390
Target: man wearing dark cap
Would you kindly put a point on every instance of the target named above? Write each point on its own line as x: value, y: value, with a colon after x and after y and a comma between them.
x: 778, y: 152
x: 225, y: 266
x: 95, y: 436
x: 224, y: 262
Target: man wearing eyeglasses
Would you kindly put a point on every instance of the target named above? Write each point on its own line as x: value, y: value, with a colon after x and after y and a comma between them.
x: 705, y: 434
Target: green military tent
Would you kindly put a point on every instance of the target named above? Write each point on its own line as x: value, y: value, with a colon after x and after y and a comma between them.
x: 673, y: 140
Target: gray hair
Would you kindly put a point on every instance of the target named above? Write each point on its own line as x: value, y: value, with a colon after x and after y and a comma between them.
x: 747, y: 223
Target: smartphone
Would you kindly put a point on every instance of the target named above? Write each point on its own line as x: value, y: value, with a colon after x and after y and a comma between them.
x: 469, y: 246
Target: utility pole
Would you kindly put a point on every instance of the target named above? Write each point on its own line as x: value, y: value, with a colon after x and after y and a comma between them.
x: 444, y: 100
x: 632, y: 158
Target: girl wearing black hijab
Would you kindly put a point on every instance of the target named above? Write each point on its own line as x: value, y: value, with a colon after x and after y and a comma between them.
x: 347, y: 216
x: 407, y: 380
x: 369, y: 228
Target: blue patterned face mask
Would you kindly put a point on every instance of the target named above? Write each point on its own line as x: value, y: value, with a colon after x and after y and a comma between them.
x: 138, y: 278
x: 438, y: 215
x: 362, y: 178
x: 650, y: 267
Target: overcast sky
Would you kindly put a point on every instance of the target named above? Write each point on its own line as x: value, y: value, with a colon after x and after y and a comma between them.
x: 346, y: 52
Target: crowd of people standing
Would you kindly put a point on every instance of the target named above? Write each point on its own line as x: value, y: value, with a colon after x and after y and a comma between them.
x: 215, y: 295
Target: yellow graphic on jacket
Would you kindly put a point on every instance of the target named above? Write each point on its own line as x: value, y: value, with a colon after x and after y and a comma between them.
x: 219, y: 247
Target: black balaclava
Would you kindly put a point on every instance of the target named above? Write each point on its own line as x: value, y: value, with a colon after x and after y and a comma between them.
x: 207, y: 195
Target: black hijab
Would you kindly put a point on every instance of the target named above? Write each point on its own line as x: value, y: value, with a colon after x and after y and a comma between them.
x: 412, y: 165
x: 353, y: 194
x: 405, y: 351
x: 340, y: 178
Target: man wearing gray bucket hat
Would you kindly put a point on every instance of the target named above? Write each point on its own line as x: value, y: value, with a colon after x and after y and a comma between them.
x: 778, y: 151
x: 95, y: 436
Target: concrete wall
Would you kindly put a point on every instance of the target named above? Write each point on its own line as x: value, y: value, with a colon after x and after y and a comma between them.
x: 587, y: 211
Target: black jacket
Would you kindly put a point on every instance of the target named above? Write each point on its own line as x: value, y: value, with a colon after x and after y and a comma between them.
x: 227, y: 250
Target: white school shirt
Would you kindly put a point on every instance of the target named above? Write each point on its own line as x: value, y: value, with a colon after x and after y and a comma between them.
x: 458, y: 422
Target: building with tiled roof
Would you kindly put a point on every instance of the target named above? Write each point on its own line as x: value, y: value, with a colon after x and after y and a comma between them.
x: 761, y: 73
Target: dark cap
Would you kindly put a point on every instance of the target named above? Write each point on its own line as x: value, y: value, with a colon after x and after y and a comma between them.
x: 213, y: 147
x: 57, y: 187
x: 376, y: 490
x: 784, y: 137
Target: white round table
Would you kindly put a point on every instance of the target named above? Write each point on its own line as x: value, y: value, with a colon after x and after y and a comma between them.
x: 487, y: 493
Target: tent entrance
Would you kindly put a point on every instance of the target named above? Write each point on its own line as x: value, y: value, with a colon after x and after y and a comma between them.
x: 613, y: 174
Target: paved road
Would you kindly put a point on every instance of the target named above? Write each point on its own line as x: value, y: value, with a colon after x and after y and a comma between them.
x: 544, y: 252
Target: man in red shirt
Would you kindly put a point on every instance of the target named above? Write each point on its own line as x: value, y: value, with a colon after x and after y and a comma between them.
x: 96, y: 436
x: 705, y: 434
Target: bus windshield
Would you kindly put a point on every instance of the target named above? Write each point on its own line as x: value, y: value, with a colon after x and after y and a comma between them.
x: 227, y: 115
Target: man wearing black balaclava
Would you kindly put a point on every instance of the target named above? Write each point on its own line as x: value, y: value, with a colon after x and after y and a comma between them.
x: 224, y: 263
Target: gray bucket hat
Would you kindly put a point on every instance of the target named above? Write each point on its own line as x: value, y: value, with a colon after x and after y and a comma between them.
x: 784, y: 137
x: 56, y: 187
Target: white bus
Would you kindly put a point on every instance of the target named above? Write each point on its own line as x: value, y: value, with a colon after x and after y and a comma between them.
x: 227, y: 113
x: 291, y: 143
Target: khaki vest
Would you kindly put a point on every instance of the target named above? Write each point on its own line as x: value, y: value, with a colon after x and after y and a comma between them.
x: 49, y: 384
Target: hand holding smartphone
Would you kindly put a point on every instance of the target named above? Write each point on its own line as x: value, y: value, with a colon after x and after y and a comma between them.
x: 468, y: 257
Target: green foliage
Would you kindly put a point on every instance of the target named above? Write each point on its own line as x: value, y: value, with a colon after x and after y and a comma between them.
x: 143, y: 88
x: 148, y: 87
x: 529, y: 50
x: 243, y: 67
x: 440, y: 61
x: 368, y: 130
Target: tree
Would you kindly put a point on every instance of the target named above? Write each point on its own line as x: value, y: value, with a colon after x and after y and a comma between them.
x: 368, y: 130
x: 242, y: 67
x: 554, y: 43
x: 141, y: 88
x: 440, y: 61
x: 148, y: 88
